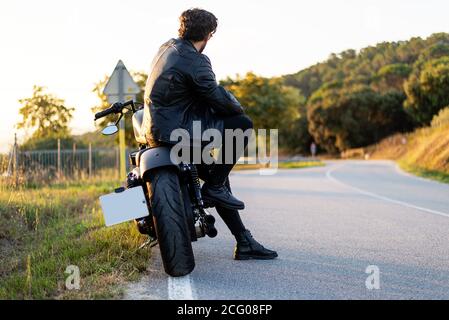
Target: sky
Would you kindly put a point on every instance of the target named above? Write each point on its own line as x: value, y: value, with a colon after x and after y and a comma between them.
x: 68, y: 46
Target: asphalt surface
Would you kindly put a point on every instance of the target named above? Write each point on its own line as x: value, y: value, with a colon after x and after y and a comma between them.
x: 328, y: 225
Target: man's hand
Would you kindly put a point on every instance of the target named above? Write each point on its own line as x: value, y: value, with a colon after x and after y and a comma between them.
x: 235, y: 101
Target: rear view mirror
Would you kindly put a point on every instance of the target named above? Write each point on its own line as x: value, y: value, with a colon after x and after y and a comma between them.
x: 110, y: 130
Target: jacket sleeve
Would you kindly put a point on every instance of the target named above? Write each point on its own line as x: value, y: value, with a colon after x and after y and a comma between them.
x: 205, y: 85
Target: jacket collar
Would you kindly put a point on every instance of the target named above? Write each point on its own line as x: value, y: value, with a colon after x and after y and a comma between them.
x: 189, y: 45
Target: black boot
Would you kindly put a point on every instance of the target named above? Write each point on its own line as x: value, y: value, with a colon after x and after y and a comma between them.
x: 219, y: 195
x: 248, y: 248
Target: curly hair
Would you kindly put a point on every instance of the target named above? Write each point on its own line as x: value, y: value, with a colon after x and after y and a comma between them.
x: 196, y: 24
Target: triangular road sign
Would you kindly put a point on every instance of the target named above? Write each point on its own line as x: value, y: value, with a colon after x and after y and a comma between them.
x: 112, y: 88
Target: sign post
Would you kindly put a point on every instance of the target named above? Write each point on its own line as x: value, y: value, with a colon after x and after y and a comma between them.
x: 120, y: 88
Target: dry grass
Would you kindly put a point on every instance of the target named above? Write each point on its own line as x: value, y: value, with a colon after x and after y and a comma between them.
x: 424, y: 152
x: 42, y: 231
x: 281, y: 165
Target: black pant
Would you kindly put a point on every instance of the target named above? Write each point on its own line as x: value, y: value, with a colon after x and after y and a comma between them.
x: 231, y: 217
x: 219, y: 173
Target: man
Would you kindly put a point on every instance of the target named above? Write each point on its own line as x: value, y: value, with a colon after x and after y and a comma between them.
x: 313, y: 149
x: 181, y: 88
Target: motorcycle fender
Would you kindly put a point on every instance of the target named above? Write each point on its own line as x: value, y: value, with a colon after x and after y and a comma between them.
x: 150, y: 159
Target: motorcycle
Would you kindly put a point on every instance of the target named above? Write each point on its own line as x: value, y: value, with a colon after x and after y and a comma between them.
x: 162, y: 196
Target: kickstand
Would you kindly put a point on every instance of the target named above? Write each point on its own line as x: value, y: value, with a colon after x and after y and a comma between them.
x: 150, y: 242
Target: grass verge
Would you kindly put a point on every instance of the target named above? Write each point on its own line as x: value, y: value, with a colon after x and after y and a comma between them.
x: 300, y: 164
x: 282, y: 165
x: 43, y: 231
x: 425, y: 173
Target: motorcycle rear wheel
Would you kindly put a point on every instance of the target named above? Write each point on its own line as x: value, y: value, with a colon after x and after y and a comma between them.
x: 170, y: 221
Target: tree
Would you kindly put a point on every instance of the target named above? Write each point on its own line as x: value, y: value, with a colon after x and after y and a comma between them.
x: 354, y: 117
x: 391, y: 76
x: 427, y: 90
x: 140, y: 78
x: 296, y: 137
x: 45, y: 113
x: 270, y: 104
x: 51, y: 143
x: 48, y: 116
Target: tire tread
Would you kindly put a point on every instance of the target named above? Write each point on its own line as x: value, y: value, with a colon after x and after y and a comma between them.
x: 170, y: 220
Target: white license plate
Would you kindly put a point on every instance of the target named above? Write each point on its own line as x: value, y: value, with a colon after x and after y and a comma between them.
x: 124, y: 206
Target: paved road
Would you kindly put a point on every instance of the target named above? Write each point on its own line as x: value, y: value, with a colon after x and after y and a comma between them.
x: 328, y: 225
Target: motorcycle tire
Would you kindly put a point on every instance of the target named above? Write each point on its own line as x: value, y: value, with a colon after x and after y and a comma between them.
x: 170, y: 221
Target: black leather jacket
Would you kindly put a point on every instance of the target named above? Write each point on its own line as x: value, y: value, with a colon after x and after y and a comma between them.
x: 182, y: 88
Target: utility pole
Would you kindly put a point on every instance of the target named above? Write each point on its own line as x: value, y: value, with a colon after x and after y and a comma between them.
x: 121, y: 132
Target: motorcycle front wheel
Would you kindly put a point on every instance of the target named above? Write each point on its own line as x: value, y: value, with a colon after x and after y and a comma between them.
x: 169, y: 216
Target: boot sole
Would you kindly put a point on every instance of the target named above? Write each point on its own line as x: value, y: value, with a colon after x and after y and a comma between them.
x: 209, y: 202
x: 255, y: 257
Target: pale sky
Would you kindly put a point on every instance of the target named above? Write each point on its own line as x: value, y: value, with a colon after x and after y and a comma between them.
x: 69, y: 45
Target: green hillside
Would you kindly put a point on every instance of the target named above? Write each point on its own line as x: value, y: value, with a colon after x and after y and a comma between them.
x: 355, y: 98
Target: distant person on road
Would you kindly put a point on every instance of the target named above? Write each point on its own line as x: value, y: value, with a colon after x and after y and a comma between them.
x: 181, y: 88
x: 313, y: 149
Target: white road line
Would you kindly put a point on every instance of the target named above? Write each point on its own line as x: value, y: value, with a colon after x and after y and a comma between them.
x: 180, y: 288
x: 374, y: 195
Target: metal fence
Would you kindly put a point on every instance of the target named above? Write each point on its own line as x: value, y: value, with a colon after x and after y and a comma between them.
x: 47, y: 165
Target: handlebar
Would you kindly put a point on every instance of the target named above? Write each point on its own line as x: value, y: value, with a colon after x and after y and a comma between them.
x: 114, y: 108
x: 103, y: 113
